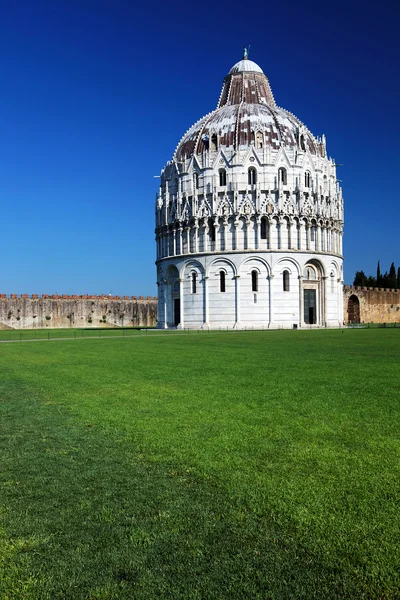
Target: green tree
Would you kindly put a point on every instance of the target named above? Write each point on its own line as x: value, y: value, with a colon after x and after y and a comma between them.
x: 378, y: 275
x: 392, y: 277
x: 398, y: 278
x: 360, y: 279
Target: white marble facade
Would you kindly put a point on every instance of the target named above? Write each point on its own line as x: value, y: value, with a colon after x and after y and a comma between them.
x: 249, y: 218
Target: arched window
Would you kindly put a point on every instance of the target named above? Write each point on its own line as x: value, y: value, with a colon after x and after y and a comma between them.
x: 211, y: 230
x: 222, y: 177
x: 307, y: 179
x: 222, y: 281
x: 282, y: 175
x: 194, y: 283
x: 196, y: 181
x: 254, y: 281
x: 302, y: 143
x: 309, y: 273
x: 214, y: 142
x: 286, y: 281
x: 252, y: 176
x: 259, y: 140
x: 263, y: 228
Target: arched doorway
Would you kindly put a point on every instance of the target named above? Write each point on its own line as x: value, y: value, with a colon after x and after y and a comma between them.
x: 174, y: 301
x: 353, y: 309
x: 313, y: 294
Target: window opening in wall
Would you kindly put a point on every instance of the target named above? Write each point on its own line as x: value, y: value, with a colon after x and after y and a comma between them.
x: 332, y: 283
x: 302, y: 143
x: 286, y: 284
x: 194, y: 283
x: 307, y: 179
x: 312, y: 234
x: 252, y: 176
x: 255, y: 298
x: 254, y: 281
x: 282, y: 174
x: 263, y: 229
x: 260, y: 142
x: 309, y: 273
x: 196, y: 181
x: 214, y: 143
x: 222, y: 177
x: 211, y: 230
x: 222, y: 281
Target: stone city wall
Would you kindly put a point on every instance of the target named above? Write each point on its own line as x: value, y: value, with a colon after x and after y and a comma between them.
x: 376, y: 305
x: 31, y: 312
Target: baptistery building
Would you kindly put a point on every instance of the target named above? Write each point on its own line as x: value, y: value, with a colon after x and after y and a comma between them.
x: 249, y: 218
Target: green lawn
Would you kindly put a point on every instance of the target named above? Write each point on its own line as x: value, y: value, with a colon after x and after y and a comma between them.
x: 213, y: 466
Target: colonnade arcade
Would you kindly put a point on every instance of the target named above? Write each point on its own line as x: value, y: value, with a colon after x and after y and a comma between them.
x: 220, y: 234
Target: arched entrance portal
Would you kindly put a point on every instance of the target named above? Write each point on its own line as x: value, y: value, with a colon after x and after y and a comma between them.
x: 174, y: 301
x: 353, y: 309
x: 313, y: 311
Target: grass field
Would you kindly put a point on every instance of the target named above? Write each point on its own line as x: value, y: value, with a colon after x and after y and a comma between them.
x: 228, y: 465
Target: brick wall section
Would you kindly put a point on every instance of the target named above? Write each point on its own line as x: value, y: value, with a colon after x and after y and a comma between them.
x: 377, y: 305
x: 24, y: 312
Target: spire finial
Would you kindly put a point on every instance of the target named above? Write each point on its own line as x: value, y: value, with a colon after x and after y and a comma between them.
x: 246, y: 53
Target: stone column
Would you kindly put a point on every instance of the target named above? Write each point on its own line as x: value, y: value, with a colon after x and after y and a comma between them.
x: 257, y: 233
x: 216, y: 229
x: 272, y: 234
x: 181, y: 298
x: 323, y: 300
x: 237, y: 300
x: 205, y: 234
x: 235, y: 233
x: 248, y: 223
x: 301, y: 300
x: 180, y: 240
x: 195, y: 236
x: 174, y: 241
x: 187, y: 233
x: 206, y: 307
x: 165, y: 288
x: 224, y: 225
x: 271, y: 304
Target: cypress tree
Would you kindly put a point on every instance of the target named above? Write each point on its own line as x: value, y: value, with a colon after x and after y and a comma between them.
x: 392, y: 276
x: 398, y: 278
x: 378, y: 275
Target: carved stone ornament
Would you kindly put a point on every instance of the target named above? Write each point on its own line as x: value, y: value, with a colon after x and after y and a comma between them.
x: 288, y: 207
x: 203, y: 210
x: 307, y: 208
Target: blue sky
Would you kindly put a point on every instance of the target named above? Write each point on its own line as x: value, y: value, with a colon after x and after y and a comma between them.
x: 95, y: 95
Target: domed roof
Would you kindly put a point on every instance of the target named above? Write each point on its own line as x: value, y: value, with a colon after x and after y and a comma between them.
x: 245, y: 65
x: 246, y: 115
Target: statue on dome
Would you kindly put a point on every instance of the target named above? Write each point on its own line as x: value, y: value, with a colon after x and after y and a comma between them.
x: 245, y: 53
